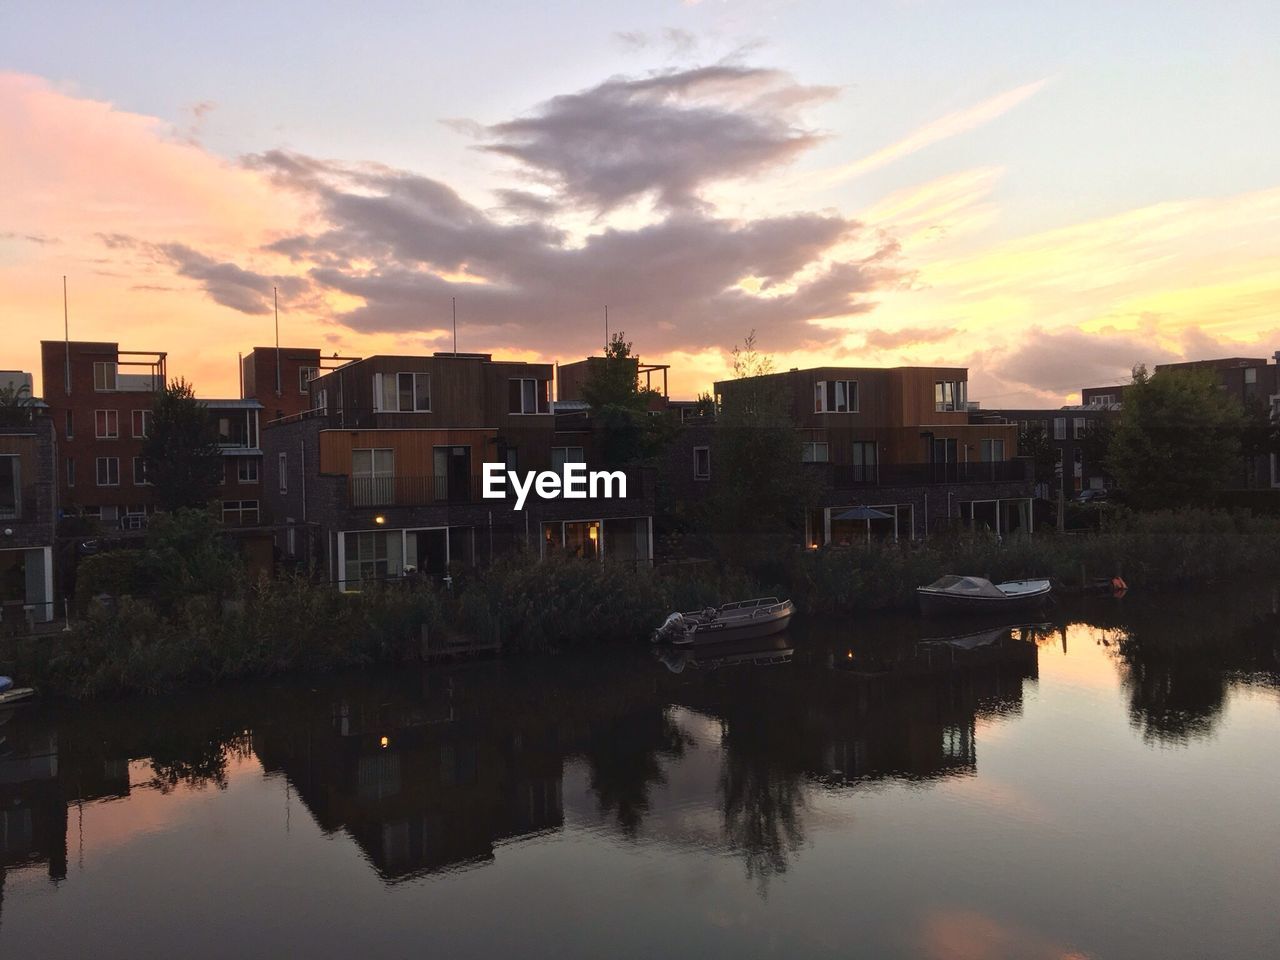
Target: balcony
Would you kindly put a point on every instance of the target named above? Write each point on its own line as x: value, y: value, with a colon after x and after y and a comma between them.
x: 843, y: 476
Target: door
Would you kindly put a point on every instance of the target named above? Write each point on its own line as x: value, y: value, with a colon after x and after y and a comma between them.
x: 453, y: 474
x: 942, y: 458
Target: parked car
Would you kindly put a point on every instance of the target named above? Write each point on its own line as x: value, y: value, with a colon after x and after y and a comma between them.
x: 1091, y: 496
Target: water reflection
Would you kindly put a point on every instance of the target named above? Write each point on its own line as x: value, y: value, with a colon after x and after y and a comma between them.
x: 428, y: 772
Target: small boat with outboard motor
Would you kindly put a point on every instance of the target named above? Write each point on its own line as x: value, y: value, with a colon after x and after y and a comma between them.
x: 741, y: 620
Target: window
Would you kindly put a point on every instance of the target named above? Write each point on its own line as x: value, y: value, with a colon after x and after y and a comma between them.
x: 414, y: 390
x: 104, y: 375
x: 305, y: 376
x: 322, y: 399
x: 247, y: 469
x: 372, y: 555
x: 402, y: 392
x: 1079, y: 427
x: 528, y: 396
x: 282, y: 467
x: 71, y: 472
x: 106, y: 424
x: 1250, y: 381
x: 372, y: 476
x: 108, y: 471
x: 10, y: 487
x: 992, y: 450
x: 1102, y: 400
x: 1059, y: 428
x: 815, y: 453
x: 950, y: 395
x: 702, y: 463
x: 140, y: 472
x: 835, y: 396
x: 862, y: 454
x: 141, y: 424
x: 562, y: 455
x: 71, y: 425
x: 239, y: 512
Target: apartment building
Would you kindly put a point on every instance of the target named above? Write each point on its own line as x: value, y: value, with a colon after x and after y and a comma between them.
x: 383, y: 476
x: 100, y: 399
x: 894, y: 453
x: 1074, y: 433
x: 280, y: 378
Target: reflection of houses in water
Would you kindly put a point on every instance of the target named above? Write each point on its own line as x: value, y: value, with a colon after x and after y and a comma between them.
x: 416, y: 788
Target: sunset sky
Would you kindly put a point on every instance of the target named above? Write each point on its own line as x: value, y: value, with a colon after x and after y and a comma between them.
x: 1046, y: 192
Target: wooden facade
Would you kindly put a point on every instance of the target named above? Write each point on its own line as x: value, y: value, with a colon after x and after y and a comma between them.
x: 414, y: 450
x: 896, y: 409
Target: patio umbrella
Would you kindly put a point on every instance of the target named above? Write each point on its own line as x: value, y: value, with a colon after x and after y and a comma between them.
x: 864, y: 513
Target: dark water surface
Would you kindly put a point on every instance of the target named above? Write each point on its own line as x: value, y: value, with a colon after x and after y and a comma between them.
x: 1107, y: 785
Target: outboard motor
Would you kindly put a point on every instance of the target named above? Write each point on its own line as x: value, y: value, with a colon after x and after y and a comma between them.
x: 672, y: 629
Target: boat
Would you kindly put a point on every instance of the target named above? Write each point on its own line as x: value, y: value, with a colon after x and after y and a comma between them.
x: 11, y: 694
x: 741, y: 620
x: 970, y: 595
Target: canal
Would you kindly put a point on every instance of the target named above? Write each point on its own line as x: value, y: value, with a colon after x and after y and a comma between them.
x: 1104, y: 784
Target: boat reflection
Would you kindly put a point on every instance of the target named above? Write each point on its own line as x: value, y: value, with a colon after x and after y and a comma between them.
x: 757, y: 651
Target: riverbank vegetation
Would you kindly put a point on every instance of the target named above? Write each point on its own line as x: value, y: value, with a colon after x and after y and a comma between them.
x: 182, y: 611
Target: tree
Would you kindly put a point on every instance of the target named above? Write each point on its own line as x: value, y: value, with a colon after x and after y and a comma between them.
x: 16, y: 406
x: 756, y: 509
x: 1178, y: 439
x: 1034, y: 443
x: 620, y: 407
x: 181, y: 454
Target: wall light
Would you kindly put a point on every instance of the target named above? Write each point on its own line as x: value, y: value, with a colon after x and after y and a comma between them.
x: 379, y: 519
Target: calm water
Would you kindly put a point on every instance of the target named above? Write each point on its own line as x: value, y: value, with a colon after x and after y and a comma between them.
x: 1104, y: 786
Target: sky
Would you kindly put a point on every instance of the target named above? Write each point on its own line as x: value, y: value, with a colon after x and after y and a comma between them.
x: 1047, y: 193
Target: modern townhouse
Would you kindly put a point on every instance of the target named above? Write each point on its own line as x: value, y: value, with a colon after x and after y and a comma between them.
x: 384, y: 475
x: 893, y: 452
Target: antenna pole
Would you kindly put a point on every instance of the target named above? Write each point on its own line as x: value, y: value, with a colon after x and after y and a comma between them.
x: 453, y: 305
x: 66, y: 336
x: 275, y: 301
x: 606, y: 329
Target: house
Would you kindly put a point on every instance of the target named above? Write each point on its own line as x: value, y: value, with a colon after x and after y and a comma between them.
x: 896, y: 446
x: 28, y: 506
x: 1073, y: 432
x: 384, y: 475
x: 100, y: 399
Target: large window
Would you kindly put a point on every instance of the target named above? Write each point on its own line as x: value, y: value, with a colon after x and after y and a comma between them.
x: 992, y: 450
x: 816, y: 452
x: 1059, y: 428
x: 373, y: 476
x: 141, y: 424
x: 108, y: 471
x: 402, y: 392
x: 104, y: 375
x: 528, y: 396
x: 862, y: 454
x: 950, y: 395
x: 10, y: 487
x: 835, y: 396
x: 562, y: 455
x: 247, y: 470
x: 106, y: 424
x: 372, y: 555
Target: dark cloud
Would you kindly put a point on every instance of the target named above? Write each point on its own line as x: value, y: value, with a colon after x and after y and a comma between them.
x: 404, y: 244
x: 676, y: 280
x: 666, y: 135
x: 1063, y: 361
x: 227, y: 283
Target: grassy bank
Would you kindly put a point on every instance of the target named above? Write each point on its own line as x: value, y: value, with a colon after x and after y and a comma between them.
x: 176, y: 637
